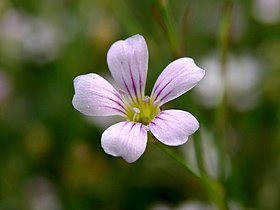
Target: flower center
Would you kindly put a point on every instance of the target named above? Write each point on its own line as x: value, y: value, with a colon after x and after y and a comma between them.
x: 142, y: 112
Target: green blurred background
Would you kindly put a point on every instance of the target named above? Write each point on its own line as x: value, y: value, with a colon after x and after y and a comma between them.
x: 50, y: 154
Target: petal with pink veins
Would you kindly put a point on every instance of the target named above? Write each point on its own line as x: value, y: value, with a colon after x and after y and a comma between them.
x: 95, y: 96
x: 125, y: 139
x: 177, y: 78
x: 128, y: 64
x: 173, y: 127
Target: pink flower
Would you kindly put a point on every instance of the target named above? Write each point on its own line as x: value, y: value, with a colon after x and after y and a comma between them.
x: 128, y: 64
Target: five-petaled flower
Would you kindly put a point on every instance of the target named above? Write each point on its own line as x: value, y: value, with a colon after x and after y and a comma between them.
x: 128, y: 64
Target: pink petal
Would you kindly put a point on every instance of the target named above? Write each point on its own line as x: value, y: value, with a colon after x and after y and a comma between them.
x: 173, y: 127
x: 177, y: 78
x: 94, y: 96
x: 125, y: 139
x: 128, y: 63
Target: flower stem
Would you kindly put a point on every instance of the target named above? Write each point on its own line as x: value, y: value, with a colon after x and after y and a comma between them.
x: 213, y: 189
x: 199, y: 155
x: 164, y: 18
x: 221, y: 114
x: 178, y: 159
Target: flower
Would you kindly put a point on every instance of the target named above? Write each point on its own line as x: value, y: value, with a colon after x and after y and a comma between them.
x: 240, y: 82
x: 267, y: 11
x: 128, y: 64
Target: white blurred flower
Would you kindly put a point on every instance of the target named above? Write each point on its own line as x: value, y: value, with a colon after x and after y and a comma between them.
x: 211, y: 89
x: 161, y: 206
x: 33, y: 37
x: 267, y: 11
x: 240, y: 82
x: 186, y: 205
x: 195, y: 205
x: 198, y: 205
x: 14, y: 25
x: 41, y: 194
x: 42, y: 41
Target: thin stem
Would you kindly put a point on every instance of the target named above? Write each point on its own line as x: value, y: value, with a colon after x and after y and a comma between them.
x: 178, y: 159
x: 184, y: 26
x: 221, y: 114
x: 199, y: 155
x: 163, y: 16
x: 213, y: 189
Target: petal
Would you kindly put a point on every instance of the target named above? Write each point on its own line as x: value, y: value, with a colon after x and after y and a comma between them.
x: 125, y: 139
x: 177, y: 78
x: 128, y: 63
x: 94, y: 96
x: 173, y: 127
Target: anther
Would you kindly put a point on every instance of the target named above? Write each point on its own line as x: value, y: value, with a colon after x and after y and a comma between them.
x: 146, y: 99
x: 136, y: 111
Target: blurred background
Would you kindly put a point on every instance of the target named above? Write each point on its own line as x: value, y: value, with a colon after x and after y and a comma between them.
x: 50, y: 154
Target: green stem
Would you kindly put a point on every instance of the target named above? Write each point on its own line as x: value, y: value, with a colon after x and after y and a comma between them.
x: 199, y: 155
x: 178, y: 159
x: 221, y: 114
x: 163, y: 16
x: 225, y: 29
x: 213, y: 189
x: 184, y: 26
